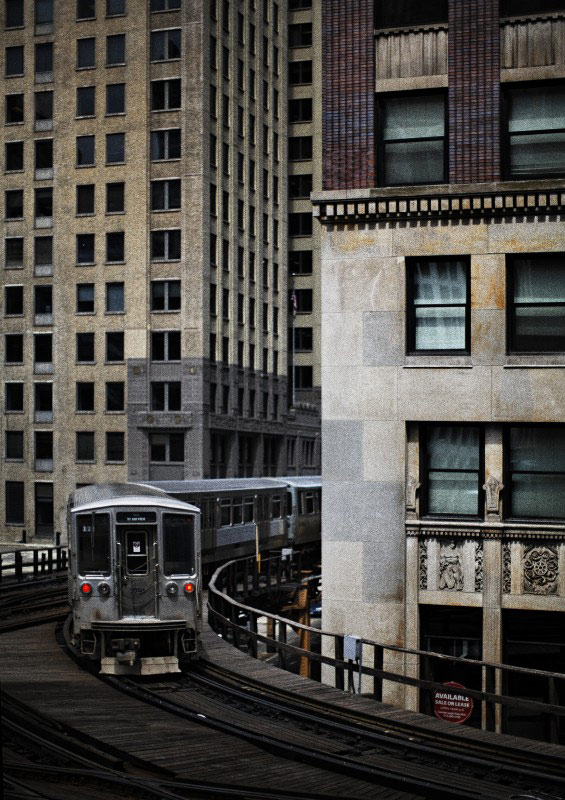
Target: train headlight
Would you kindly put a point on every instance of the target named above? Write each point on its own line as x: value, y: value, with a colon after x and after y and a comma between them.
x: 172, y: 589
x: 188, y: 587
x: 104, y: 589
x: 86, y: 589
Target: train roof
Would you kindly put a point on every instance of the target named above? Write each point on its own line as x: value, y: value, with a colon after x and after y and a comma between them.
x: 215, y: 486
x: 104, y: 495
x: 303, y: 481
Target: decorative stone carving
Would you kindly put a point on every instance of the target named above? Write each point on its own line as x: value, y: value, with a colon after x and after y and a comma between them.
x: 450, y: 571
x: 506, y: 573
x: 493, y: 488
x: 540, y: 569
x: 479, y: 566
x: 423, y: 563
x: 412, y: 486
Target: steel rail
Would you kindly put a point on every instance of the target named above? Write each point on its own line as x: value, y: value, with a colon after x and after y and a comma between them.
x: 429, y: 783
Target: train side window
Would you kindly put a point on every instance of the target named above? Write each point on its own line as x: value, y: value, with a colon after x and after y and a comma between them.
x: 248, y: 509
x: 308, y: 502
x: 178, y: 544
x: 137, y: 562
x: 225, y: 506
x: 237, y: 514
x: 93, y: 535
x: 276, y: 506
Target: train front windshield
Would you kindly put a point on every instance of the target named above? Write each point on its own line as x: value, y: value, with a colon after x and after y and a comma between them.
x: 93, y: 538
x: 178, y: 544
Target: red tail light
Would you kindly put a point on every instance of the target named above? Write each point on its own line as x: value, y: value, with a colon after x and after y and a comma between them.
x: 189, y: 587
x: 86, y: 588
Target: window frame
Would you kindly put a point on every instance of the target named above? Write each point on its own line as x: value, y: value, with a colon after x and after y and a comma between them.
x: 424, y: 471
x: 381, y: 115
x: 410, y: 263
x: 506, y: 106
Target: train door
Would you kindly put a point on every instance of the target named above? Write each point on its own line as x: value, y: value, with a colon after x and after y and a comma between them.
x: 136, y: 566
x: 262, y: 520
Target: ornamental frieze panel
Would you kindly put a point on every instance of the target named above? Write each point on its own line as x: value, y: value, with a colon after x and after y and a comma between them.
x: 541, y: 569
x: 450, y: 567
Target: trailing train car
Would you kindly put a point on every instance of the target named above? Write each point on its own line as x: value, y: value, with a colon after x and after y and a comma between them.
x: 134, y: 578
x: 304, y: 508
x: 239, y: 516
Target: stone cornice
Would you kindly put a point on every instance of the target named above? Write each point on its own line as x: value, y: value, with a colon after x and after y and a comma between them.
x: 457, y: 202
x: 485, y: 530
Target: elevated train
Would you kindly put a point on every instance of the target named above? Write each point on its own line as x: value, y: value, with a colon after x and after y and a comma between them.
x: 136, y: 555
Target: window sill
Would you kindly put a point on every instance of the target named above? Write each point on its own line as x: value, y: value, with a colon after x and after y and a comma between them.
x: 86, y: 264
x: 114, y: 263
x: 82, y: 69
x: 14, y: 411
x: 113, y: 213
x: 165, y: 210
x: 114, y: 413
x: 85, y: 166
x: 85, y: 413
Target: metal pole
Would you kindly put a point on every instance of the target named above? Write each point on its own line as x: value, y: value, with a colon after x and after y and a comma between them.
x: 293, y: 346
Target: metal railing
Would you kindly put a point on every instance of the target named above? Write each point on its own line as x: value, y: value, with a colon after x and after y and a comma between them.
x: 237, y: 622
x: 22, y: 565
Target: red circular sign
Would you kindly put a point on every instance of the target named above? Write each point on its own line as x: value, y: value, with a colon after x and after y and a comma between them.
x: 452, y: 706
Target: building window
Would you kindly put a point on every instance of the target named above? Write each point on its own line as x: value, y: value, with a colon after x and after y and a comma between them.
x: 85, y: 348
x: 85, y: 298
x: 299, y: 148
x: 43, y: 154
x: 402, y: 14
x: 299, y: 186
x: 85, y: 151
x: 43, y: 251
x: 85, y: 199
x: 43, y: 59
x: 86, y: 9
x: 43, y: 110
x: 536, y: 471
x: 303, y: 377
x: 43, y: 401
x: 166, y: 45
x: 165, y: 346
x: 43, y: 203
x: 14, y: 252
x: 14, y: 207
x: 166, y: 447
x: 299, y: 72
x: 14, y: 14
x: 115, y: 346
x: 85, y: 248
x: 13, y: 348
x: 115, y: 447
x: 15, y: 493
x: 300, y: 262
x: 536, y: 303
x: 115, y: 303
x: 115, y: 148
x: 165, y: 396
x: 43, y: 446
x: 14, y: 109
x: 438, y: 305
x: 165, y: 195
x: 86, y: 101
x: 14, y: 161
x: 115, y: 98
x: 300, y: 224
x: 115, y: 50
x: 14, y: 396
x: 300, y: 35
x: 115, y: 8
x: 13, y: 301
x: 536, y: 131
x: 114, y: 198
x: 115, y: 247
x: 165, y: 245
x: 517, y: 8
x: 302, y: 301
x: 14, y: 446
x: 452, y: 471
x: 42, y: 348
x: 86, y: 53
x: 165, y: 95
x: 115, y: 396
x: 14, y: 63
x: 303, y: 338
x: 85, y: 396
x: 43, y: 300
x: 85, y: 446
x: 165, y: 296
x: 412, y: 139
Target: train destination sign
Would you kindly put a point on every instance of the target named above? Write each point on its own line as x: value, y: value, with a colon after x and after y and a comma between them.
x: 452, y: 706
x: 130, y: 517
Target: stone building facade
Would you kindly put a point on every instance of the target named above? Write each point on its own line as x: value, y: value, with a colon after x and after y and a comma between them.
x: 145, y: 291
x: 443, y: 363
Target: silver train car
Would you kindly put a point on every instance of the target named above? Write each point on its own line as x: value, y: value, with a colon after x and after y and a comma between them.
x: 239, y: 516
x: 134, y: 578
x: 304, y: 508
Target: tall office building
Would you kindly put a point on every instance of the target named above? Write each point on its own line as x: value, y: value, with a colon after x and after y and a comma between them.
x: 145, y: 292
x: 443, y: 328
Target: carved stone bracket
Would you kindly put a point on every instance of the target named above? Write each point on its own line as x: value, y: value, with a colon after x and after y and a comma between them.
x: 492, y: 488
x: 412, y: 486
x: 479, y: 553
x: 506, y: 571
x: 423, y: 563
x: 450, y: 570
x: 541, y: 569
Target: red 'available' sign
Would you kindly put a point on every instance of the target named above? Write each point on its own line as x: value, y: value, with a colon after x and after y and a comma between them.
x: 451, y: 706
